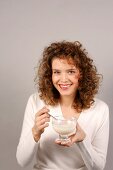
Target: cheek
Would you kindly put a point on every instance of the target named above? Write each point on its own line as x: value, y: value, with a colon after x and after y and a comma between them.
x: 75, y: 80
x: 54, y: 79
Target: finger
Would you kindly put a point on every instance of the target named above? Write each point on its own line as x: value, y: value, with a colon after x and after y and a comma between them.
x: 73, y: 134
x: 58, y: 141
x: 44, y: 116
x: 42, y: 127
x: 63, y: 143
x: 74, y: 139
x: 42, y: 111
x: 41, y: 122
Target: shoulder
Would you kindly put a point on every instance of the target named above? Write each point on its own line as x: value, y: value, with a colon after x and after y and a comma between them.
x: 34, y: 96
x: 99, y: 104
x: 34, y: 99
x: 100, y: 108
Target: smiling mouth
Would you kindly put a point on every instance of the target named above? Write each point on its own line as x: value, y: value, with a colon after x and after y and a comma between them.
x: 64, y: 86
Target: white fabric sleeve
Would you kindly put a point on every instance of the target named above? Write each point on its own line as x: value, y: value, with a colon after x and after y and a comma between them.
x: 27, y: 145
x: 94, y: 153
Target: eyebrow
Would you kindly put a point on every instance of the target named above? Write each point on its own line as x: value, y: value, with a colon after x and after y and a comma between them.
x: 70, y: 69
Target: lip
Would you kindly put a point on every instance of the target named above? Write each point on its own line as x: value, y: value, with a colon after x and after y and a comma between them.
x: 64, y: 86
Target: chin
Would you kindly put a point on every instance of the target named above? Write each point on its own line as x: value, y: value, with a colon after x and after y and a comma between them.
x: 65, y: 94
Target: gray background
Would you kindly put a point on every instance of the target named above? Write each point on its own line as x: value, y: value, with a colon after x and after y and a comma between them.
x: 26, y: 27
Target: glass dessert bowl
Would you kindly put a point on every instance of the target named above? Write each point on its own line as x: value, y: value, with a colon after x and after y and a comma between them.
x: 64, y: 127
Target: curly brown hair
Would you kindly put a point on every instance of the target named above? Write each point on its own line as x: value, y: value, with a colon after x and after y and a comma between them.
x: 88, y: 81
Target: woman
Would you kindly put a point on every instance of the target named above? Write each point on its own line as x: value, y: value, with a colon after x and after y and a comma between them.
x: 67, y: 84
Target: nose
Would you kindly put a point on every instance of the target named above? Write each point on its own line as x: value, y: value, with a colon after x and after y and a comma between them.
x: 64, y: 77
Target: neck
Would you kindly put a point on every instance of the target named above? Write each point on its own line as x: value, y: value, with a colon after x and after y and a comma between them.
x: 66, y: 101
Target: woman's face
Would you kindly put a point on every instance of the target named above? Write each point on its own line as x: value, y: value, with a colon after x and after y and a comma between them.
x: 65, y: 77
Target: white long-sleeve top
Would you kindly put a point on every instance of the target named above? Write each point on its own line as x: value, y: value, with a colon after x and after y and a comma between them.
x: 90, y: 154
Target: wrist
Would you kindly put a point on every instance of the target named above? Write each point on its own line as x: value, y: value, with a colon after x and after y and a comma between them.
x: 83, y: 137
x: 36, y: 136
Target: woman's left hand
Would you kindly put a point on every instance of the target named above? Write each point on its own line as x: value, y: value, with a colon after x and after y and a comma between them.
x: 77, y: 137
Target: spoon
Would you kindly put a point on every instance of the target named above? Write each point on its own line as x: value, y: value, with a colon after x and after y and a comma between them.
x: 56, y: 117
x: 52, y: 116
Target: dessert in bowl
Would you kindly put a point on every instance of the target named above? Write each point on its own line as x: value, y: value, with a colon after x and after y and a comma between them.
x: 64, y: 127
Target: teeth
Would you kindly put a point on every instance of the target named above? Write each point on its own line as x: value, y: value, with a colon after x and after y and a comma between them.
x: 64, y: 85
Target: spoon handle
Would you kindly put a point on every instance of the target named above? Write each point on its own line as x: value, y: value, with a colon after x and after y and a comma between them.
x: 52, y: 116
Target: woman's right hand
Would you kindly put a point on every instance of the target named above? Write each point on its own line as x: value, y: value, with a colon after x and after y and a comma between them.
x: 40, y: 123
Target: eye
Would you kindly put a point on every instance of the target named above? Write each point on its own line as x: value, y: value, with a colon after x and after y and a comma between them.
x: 71, y: 72
x: 56, y: 72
